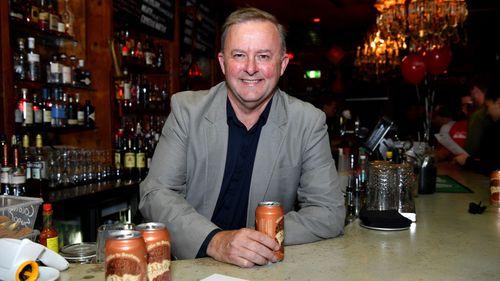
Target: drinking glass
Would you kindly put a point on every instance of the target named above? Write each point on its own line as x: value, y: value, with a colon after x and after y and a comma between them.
x: 382, y: 192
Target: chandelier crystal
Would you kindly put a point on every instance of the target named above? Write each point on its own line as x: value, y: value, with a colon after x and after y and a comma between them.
x: 415, y: 26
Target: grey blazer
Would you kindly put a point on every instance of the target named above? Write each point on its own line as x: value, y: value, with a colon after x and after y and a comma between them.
x: 293, y: 165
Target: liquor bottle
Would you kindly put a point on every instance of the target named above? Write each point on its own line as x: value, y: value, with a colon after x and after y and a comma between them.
x: 66, y: 69
x: 5, y: 167
x: 18, y: 114
x: 25, y: 104
x: 37, y: 111
x: 43, y: 16
x: 85, y: 78
x: 33, y: 69
x: 73, y: 61
x: 160, y: 58
x: 47, y: 108
x: 49, y: 237
x: 17, y: 176
x: 165, y: 99
x: 125, y: 85
x: 20, y: 61
x: 38, y: 170
x: 54, y: 71
x: 68, y: 19
x: 89, y: 115
x: 140, y: 153
x: 33, y: 12
x: 129, y: 157
x: 80, y: 112
x: 58, y: 109
x: 118, y: 154
x: 53, y: 15
x: 149, y: 55
x: 25, y: 157
x: 17, y: 11
x: 134, y: 90
x: 65, y: 104
x: 143, y: 94
x: 72, y: 113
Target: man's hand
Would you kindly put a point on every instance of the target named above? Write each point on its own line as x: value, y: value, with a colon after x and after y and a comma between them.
x: 244, y: 247
x: 461, y: 158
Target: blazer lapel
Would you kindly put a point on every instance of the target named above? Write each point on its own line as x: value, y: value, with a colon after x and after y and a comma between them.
x: 271, y: 139
x: 216, y: 136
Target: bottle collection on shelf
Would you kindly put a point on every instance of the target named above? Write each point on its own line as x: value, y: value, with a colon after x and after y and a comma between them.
x: 43, y: 15
x: 137, y: 52
x: 134, y: 148
x: 60, y: 69
x: 134, y: 92
x: 52, y: 108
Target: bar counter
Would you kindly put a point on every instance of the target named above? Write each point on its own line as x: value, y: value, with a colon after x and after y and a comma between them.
x: 446, y: 243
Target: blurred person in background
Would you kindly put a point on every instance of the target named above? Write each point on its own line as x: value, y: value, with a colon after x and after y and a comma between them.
x: 479, y: 120
x: 488, y: 158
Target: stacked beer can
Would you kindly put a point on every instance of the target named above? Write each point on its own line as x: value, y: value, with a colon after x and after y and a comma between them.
x: 142, y: 254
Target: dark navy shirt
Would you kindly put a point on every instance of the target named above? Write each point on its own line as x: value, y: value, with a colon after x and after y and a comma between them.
x: 231, y: 209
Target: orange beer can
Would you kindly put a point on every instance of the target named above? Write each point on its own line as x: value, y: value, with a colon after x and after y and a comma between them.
x: 126, y: 256
x: 157, y: 240
x: 495, y: 188
x: 269, y: 219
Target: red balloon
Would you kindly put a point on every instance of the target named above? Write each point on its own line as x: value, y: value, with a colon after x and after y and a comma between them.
x: 336, y: 54
x: 438, y: 60
x: 413, y: 68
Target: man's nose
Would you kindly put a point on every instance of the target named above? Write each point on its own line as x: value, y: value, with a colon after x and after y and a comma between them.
x: 251, y: 67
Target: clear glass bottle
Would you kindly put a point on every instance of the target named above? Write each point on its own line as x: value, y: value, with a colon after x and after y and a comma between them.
x: 66, y: 69
x: 38, y: 169
x: 20, y: 60
x: 33, y: 61
x: 68, y: 19
x: 26, y: 107
x: 54, y: 71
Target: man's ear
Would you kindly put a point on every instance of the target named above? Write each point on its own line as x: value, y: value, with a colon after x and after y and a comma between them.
x: 220, y: 56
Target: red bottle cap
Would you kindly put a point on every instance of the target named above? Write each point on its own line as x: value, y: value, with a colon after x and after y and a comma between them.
x: 47, y: 207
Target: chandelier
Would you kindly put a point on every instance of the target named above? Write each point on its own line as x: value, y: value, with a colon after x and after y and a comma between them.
x: 416, y: 26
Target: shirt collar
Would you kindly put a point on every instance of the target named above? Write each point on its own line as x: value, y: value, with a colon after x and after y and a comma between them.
x: 231, y: 115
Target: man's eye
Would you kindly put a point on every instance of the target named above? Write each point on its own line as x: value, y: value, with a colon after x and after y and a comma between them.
x: 238, y: 56
x: 263, y: 57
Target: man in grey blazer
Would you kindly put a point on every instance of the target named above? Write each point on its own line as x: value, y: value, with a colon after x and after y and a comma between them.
x: 196, y: 182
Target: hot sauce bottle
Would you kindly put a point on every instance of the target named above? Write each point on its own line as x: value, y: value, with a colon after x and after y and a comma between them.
x: 49, y: 236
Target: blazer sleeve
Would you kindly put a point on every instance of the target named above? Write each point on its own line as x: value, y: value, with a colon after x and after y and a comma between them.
x: 320, y: 210
x: 163, y: 192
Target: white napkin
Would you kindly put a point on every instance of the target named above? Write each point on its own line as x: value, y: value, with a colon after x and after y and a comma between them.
x: 220, y: 277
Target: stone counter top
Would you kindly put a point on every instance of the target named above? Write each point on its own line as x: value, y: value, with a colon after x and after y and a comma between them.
x: 446, y: 243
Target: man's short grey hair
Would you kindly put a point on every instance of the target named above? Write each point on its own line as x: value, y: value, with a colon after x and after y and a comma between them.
x: 252, y: 14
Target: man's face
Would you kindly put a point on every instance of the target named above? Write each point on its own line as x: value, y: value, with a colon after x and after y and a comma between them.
x: 477, y: 96
x: 493, y: 108
x: 252, y: 62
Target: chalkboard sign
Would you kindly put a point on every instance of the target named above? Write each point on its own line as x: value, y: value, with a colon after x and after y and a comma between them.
x: 156, y: 16
x: 198, y: 27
